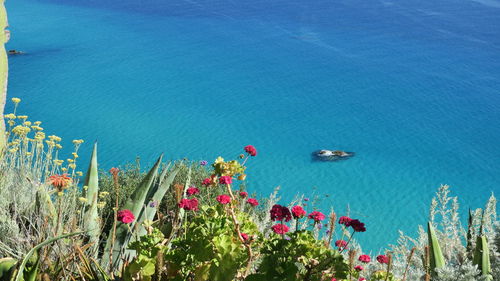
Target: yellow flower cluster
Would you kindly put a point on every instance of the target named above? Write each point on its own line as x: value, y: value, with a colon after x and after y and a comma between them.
x: 230, y: 168
x: 39, y: 136
x: 54, y: 138
x: 29, y: 146
x: 21, y: 130
x: 103, y: 194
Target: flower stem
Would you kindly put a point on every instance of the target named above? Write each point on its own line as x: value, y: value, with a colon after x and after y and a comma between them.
x: 348, y: 241
x: 238, y: 232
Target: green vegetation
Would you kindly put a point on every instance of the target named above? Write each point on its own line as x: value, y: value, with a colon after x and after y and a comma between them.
x: 187, y: 221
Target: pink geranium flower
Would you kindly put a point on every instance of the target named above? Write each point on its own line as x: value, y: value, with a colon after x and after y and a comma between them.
x: 192, y: 191
x: 341, y: 244
x: 364, y: 258
x: 244, y: 236
x: 225, y: 180
x: 280, y: 228
x: 358, y: 268
x: 243, y: 194
x: 253, y: 202
x: 316, y: 216
x: 206, y: 182
x: 382, y: 259
x: 250, y: 149
x: 189, y: 204
x: 125, y: 216
x: 298, y: 212
x: 224, y: 199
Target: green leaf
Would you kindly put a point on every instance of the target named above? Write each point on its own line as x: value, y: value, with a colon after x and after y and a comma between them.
x: 91, y: 216
x: 7, y: 266
x: 20, y: 272
x: 482, y: 257
x: 436, y: 255
x: 123, y: 235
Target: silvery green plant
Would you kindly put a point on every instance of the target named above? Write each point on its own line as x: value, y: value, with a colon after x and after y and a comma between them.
x: 457, y: 243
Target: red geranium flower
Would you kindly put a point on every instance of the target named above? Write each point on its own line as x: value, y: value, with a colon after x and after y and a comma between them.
x: 224, y: 199
x: 298, y: 212
x: 125, y: 216
x: 189, y: 204
x: 192, y: 191
x: 362, y: 279
x: 206, y: 182
x: 280, y: 228
x: 250, y: 149
x: 225, y: 180
x: 243, y: 194
x: 316, y: 216
x: 358, y: 268
x: 244, y: 236
x: 364, y: 258
x: 345, y: 220
x: 357, y: 226
x: 341, y: 244
x: 253, y: 202
x: 280, y: 213
x: 382, y: 259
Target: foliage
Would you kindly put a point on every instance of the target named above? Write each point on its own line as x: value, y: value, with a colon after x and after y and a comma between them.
x: 299, y: 256
x: 184, y: 221
x: 209, y: 248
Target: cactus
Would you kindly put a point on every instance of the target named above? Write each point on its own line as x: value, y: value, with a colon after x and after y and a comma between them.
x: 482, y: 257
x: 123, y: 235
x: 436, y: 255
x: 7, y: 266
x: 91, y: 217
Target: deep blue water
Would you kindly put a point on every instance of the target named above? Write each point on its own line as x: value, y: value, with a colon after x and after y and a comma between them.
x: 413, y: 87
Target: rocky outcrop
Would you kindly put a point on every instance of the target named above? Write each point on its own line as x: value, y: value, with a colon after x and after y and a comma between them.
x: 4, y: 37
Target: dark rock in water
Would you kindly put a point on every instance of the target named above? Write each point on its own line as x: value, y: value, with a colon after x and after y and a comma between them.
x: 14, y: 52
x: 316, y: 156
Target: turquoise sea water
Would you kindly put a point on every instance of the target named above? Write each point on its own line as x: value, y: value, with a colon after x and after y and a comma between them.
x: 413, y: 88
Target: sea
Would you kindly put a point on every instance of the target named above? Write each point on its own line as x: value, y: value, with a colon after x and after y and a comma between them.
x: 411, y: 87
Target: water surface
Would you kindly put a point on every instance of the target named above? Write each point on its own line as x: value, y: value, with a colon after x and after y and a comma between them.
x: 413, y: 88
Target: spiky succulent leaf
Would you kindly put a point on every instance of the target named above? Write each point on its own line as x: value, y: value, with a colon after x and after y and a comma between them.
x: 7, y: 266
x: 149, y: 212
x: 91, y: 216
x: 436, y: 255
x: 34, y: 250
x: 482, y: 257
x: 134, y: 203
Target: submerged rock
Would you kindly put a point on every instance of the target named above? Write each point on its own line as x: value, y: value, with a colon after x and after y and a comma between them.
x: 331, y: 155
